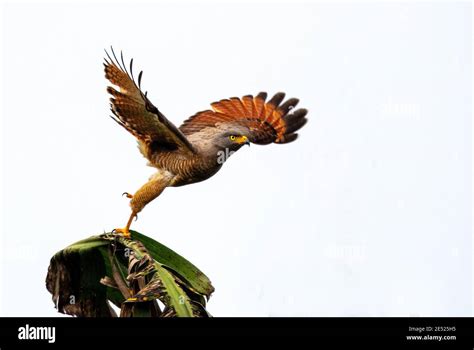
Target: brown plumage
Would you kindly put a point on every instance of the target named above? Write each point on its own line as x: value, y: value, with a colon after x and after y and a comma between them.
x: 198, y: 148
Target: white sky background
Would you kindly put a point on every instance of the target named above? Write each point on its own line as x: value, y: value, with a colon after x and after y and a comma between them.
x: 368, y: 213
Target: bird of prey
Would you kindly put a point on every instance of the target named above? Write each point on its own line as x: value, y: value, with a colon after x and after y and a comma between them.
x: 198, y: 148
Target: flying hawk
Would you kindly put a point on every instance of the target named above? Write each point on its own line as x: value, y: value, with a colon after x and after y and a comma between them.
x: 198, y: 148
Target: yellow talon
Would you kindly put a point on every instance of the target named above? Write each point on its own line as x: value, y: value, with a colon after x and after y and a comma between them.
x: 126, y: 231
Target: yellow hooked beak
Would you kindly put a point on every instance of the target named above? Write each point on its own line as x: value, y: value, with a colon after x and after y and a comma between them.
x: 242, y: 140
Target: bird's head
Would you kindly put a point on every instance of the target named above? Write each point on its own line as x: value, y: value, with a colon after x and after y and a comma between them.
x: 231, y: 140
x: 228, y: 143
x: 223, y: 139
x: 231, y: 137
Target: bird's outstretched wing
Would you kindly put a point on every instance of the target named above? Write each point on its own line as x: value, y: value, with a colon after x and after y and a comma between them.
x: 134, y: 111
x: 267, y: 121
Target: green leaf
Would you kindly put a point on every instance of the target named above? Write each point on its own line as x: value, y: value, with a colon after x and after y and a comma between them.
x: 130, y: 273
x: 73, y: 277
x: 197, y: 280
x: 162, y: 284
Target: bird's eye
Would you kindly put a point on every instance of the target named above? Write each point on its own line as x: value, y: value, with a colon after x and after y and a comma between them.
x: 232, y: 137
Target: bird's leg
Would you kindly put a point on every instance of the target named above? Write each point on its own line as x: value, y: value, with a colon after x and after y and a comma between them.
x: 149, y: 191
x: 126, y: 230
